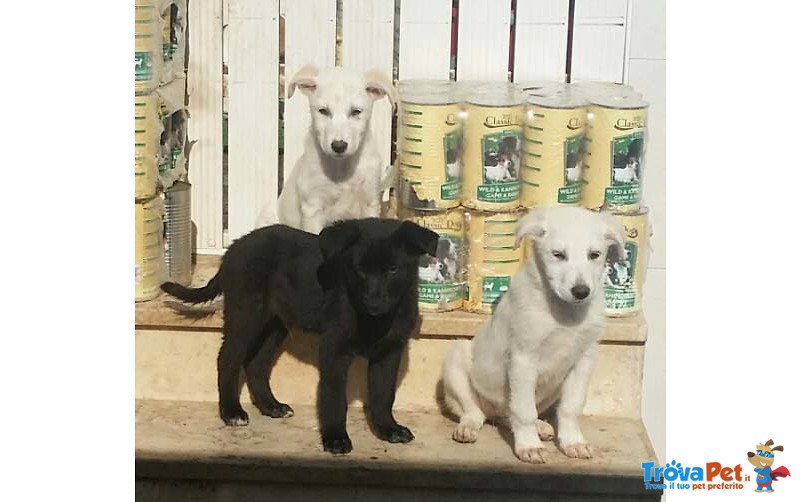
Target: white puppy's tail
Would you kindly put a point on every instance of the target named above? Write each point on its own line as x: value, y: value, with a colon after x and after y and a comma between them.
x: 389, y: 177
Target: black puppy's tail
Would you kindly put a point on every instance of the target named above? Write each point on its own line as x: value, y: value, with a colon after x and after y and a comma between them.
x: 194, y: 295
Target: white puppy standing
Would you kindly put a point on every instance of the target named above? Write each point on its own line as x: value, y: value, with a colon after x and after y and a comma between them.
x: 539, y: 346
x: 340, y: 174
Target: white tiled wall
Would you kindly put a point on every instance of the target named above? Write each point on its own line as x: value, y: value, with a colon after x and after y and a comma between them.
x: 647, y: 73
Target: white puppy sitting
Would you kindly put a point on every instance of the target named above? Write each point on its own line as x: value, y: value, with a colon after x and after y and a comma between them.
x: 539, y: 346
x: 340, y: 174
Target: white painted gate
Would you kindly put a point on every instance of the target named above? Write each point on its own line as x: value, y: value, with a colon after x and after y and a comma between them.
x: 495, y: 40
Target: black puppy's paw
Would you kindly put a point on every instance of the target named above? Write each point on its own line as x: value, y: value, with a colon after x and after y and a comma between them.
x: 236, y: 418
x: 278, y: 410
x: 396, y: 434
x: 337, y: 444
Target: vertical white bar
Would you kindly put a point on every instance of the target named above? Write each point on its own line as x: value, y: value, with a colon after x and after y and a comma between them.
x: 367, y: 43
x: 599, y: 39
x: 252, y: 112
x: 484, y: 29
x: 205, y: 126
x: 425, y: 29
x: 310, y: 39
x: 540, y: 42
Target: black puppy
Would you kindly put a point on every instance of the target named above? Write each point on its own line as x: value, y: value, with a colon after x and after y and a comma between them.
x: 355, y: 283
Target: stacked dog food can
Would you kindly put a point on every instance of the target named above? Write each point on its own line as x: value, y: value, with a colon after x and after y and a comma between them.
x: 474, y: 156
x: 429, y: 137
x: 617, y: 134
x: 492, y: 146
x: 553, y: 149
x: 162, y: 225
x: 429, y: 154
x: 625, y: 276
x: 160, y: 42
x: 493, y: 257
x: 441, y: 278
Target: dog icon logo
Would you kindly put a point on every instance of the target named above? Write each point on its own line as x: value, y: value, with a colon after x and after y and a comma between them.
x: 763, y: 459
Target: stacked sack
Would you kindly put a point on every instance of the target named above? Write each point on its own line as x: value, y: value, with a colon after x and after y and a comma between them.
x: 161, y: 193
x: 474, y: 156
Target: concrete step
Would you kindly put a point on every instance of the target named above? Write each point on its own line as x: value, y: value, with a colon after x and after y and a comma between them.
x: 177, y: 346
x: 180, y: 365
x: 183, y: 452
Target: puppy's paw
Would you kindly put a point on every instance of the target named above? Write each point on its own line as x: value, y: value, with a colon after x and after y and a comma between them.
x: 545, y: 430
x: 338, y: 445
x: 234, y: 418
x: 576, y: 450
x: 396, y: 434
x: 465, y: 433
x: 531, y: 455
x: 278, y: 410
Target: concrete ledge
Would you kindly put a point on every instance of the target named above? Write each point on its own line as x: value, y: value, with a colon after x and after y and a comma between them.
x: 180, y: 365
x: 181, y: 443
x: 167, y: 312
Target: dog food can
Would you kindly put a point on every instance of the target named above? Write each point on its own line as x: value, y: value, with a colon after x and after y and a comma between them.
x: 492, y: 148
x: 173, y: 39
x: 147, y: 45
x: 148, y: 129
x: 178, y: 232
x: 492, y: 259
x: 617, y: 135
x: 429, y: 137
x: 553, y: 150
x: 149, y: 240
x: 441, y: 278
x: 625, y: 278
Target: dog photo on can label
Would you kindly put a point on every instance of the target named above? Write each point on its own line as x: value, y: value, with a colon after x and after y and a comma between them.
x: 574, y: 151
x: 627, y: 160
x: 501, y: 153
x: 452, y: 169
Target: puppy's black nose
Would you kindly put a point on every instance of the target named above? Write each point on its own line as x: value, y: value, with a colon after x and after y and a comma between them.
x: 339, y: 146
x: 580, y: 292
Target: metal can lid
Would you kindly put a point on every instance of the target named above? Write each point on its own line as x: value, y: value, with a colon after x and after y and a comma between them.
x: 427, y: 92
x: 558, y: 99
x: 596, y: 89
x: 535, y: 85
x: 620, y: 102
x: 493, y: 94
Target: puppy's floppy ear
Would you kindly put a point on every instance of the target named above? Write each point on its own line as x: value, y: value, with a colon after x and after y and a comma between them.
x: 420, y: 239
x: 333, y: 240
x: 614, y: 235
x: 533, y: 225
x: 305, y: 79
x: 379, y: 85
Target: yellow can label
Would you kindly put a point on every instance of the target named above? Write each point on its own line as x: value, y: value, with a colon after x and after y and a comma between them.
x: 492, y: 157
